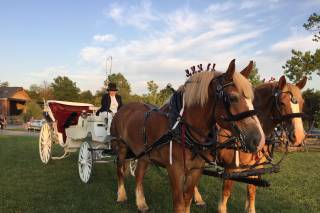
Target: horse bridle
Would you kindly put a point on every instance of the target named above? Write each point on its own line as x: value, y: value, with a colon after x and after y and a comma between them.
x: 277, y: 104
x: 222, y: 95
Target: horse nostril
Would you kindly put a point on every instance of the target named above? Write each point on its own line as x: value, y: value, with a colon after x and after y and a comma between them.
x: 253, y: 142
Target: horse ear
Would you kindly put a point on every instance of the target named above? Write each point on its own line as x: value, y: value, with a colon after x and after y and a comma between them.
x: 282, y: 82
x: 246, y: 71
x: 231, y: 69
x: 302, y: 82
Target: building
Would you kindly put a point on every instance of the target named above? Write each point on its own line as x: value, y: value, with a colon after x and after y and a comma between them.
x: 13, y: 101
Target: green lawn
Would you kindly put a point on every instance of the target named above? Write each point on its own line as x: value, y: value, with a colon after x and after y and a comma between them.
x: 27, y: 185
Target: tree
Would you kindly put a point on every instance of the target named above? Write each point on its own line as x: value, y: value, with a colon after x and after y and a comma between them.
x: 40, y: 92
x: 86, y: 97
x: 98, y: 97
x: 312, y: 107
x: 32, y: 110
x: 65, y: 89
x: 164, y: 94
x: 302, y: 64
x: 34, y: 92
x: 305, y: 64
x: 4, y: 84
x: 313, y: 25
x: 152, y: 96
x: 46, y: 91
x: 254, y: 76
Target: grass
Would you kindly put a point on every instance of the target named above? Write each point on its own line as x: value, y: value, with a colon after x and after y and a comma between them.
x: 27, y: 185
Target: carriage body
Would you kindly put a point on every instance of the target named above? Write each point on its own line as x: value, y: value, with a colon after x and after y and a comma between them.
x: 71, y: 123
x: 75, y: 126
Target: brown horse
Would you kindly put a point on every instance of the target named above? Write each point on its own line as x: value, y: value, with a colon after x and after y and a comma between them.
x: 275, y: 102
x: 204, y: 96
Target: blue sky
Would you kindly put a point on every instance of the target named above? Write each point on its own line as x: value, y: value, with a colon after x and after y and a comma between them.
x: 148, y: 40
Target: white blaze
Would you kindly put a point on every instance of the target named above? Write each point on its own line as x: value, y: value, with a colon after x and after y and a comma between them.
x: 297, y: 122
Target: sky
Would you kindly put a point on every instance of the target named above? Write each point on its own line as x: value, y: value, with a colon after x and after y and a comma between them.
x: 147, y: 40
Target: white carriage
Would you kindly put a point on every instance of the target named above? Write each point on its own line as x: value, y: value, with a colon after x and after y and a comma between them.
x: 75, y: 126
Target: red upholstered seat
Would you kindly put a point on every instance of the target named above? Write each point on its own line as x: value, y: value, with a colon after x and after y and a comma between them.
x: 61, y: 112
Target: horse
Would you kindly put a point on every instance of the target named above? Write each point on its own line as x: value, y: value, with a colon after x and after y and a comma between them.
x: 276, y: 102
x: 139, y: 129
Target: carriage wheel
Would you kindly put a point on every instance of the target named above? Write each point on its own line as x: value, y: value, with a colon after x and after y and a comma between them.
x: 85, y: 162
x: 133, y: 166
x: 45, y: 143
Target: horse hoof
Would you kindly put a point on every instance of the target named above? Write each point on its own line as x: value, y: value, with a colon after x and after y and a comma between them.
x: 121, y: 201
x: 144, y: 210
x: 201, y: 204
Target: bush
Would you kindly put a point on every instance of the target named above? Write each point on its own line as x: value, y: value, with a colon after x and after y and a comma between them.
x: 32, y: 110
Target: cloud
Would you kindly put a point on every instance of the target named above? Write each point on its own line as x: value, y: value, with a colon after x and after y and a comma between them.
x: 156, y: 58
x: 93, y: 54
x: 104, y: 38
x: 182, y: 20
x: 138, y: 16
x: 248, y: 4
x: 271, y: 60
x: 301, y: 42
x: 185, y: 37
x: 219, y: 7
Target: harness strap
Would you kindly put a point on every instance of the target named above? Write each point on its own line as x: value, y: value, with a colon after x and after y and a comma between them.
x: 183, y: 143
x: 288, y: 116
x: 241, y: 115
x: 164, y: 139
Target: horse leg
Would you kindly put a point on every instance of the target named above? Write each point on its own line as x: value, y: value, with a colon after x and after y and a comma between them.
x: 139, y: 174
x: 198, y: 198
x: 190, y: 184
x: 176, y: 177
x: 121, y: 164
x: 227, y: 187
x: 251, y: 196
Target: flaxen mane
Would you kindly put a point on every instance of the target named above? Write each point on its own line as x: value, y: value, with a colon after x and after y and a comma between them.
x: 196, y: 87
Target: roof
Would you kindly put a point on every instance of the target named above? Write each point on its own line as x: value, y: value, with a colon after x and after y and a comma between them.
x: 7, y: 92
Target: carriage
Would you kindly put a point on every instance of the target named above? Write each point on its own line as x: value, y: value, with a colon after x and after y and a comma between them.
x: 75, y: 126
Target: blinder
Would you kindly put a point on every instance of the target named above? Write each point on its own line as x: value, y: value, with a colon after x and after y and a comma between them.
x: 227, y: 103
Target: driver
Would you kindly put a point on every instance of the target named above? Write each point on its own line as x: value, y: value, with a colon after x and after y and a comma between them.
x: 110, y: 104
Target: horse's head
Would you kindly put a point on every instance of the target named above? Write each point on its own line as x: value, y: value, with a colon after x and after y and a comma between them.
x: 288, y: 105
x: 235, y: 109
x: 229, y: 96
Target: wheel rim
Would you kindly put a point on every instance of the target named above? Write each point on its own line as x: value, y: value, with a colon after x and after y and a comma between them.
x: 85, y: 162
x: 133, y: 166
x: 45, y: 143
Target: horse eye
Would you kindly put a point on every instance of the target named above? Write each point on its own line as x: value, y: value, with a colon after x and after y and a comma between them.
x: 233, y: 99
x: 294, y: 100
